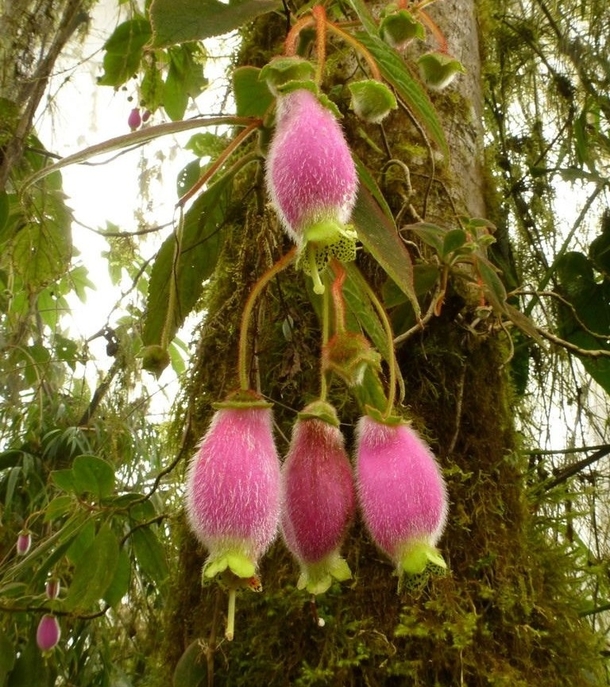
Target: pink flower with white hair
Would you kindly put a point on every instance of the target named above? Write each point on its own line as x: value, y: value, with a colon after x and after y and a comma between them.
x: 402, y: 494
x: 318, y: 497
x: 233, y: 488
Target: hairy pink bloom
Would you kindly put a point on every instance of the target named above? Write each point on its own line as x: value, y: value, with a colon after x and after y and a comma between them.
x: 402, y: 494
x: 48, y: 632
x: 310, y: 172
x: 233, y: 489
x: 318, y: 497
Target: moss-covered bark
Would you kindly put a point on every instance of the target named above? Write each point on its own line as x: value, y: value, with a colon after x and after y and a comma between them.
x: 505, y: 614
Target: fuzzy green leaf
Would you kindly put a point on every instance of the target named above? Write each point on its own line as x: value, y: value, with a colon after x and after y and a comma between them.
x: 181, y: 21
x: 395, y: 71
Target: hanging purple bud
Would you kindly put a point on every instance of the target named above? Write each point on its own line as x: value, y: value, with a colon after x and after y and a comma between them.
x: 134, y: 120
x: 24, y: 542
x: 318, y: 497
x: 402, y: 495
x: 48, y: 633
x: 233, y: 488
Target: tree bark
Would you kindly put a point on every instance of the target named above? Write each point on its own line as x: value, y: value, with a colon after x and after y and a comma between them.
x: 504, y: 615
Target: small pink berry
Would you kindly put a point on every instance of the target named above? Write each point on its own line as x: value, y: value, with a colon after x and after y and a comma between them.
x: 233, y: 488
x: 24, y: 542
x: 146, y: 115
x: 48, y: 633
x: 311, y: 176
x: 318, y: 497
x: 402, y: 494
x: 135, y: 119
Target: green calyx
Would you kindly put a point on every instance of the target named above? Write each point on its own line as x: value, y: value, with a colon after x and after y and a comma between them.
x: 317, y: 578
x: 242, y: 400
x: 438, y: 69
x: 419, y: 558
x: 348, y: 355
x: 285, y: 70
x: 155, y: 359
x: 239, y: 563
x: 323, y: 240
x: 371, y: 100
x: 399, y: 28
x: 377, y: 415
x: 320, y: 410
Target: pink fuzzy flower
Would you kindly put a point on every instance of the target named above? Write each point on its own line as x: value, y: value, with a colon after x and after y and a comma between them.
x: 318, y: 497
x: 48, y: 632
x: 402, y: 495
x: 310, y: 172
x: 233, y: 489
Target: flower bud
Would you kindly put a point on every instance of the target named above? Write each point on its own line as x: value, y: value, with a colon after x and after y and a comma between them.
x: 402, y: 495
x: 310, y: 172
x: 52, y: 588
x: 233, y: 488
x: 135, y: 119
x: 48, y: 633
x: 371, y: 100
x: 438, y: 69
x: 24, y: 542
x: 399, y: 28
x: 318, y: 497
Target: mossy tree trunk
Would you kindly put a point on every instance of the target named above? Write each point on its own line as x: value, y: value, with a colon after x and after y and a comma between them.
x: 504, y: 613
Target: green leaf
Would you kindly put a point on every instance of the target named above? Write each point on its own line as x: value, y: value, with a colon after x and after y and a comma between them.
x: 191, y: 669
x: 395, y: 71
x: 59, y: 506
x: 64, y: 479
x: 181, y: 21
x: 30, y: 667
x: 122, y: 577
x: 124, y: 51
x: 93, y: 475
x: 185, y: 79
x: 150, y: 556
x: 42, y: 252
x: 380, y: 237
x: 252, y: 97
x: 95, y: 571
x: 201, y: 243
x: 365, y: 16
x: 358, y: 301
x: 7, y: 655
x: 452, y: 241
x: 492, y: 284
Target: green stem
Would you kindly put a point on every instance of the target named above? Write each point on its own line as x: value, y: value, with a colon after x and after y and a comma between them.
x: 318, y: 286
x: 393, y: 364
x: 171, y: 300
x: 242, y: 367
x: 325, y: 336
x: 230, y: 631
x: 357, y: 45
